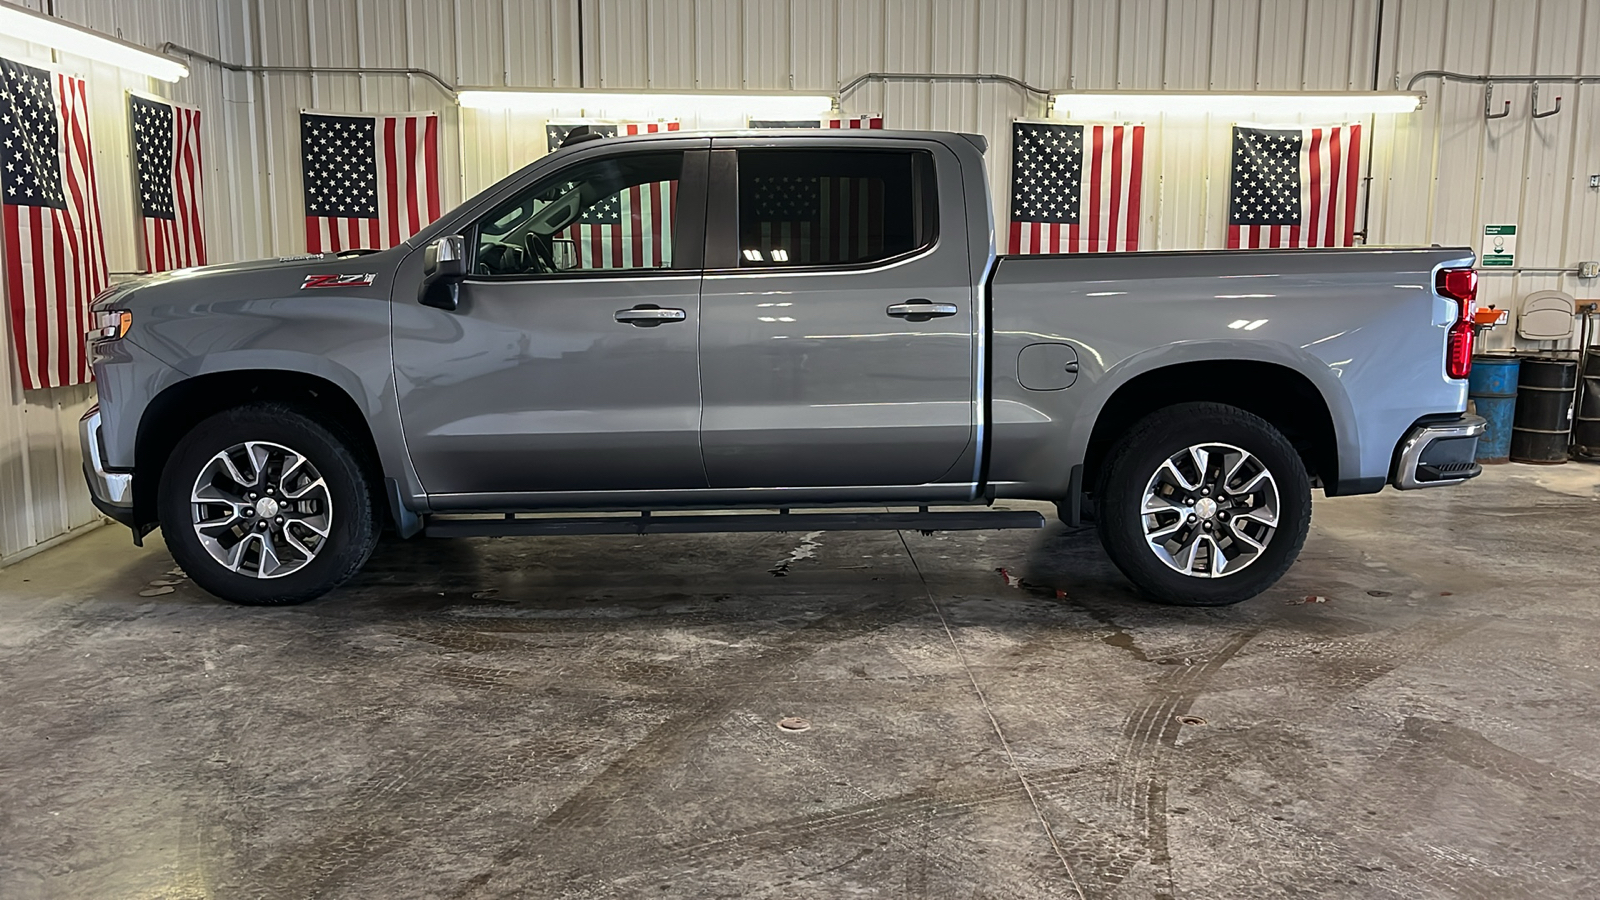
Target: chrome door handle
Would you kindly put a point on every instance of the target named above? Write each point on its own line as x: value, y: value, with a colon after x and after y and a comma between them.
x: 648, y: 315
x: 920, y: 310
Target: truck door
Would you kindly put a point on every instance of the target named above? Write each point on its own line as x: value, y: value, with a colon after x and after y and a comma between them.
x: 837, y: 321
x: 570, y: 364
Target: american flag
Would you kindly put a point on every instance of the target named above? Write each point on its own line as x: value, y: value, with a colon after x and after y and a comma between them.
x: 1075, y: 188
x: 370, y: 181
x: 871, y: 120
x: 817, y: 219
x: 628, y: 230
x: 1294, y: 187
x: 166, y: 162
x: 54, y: 252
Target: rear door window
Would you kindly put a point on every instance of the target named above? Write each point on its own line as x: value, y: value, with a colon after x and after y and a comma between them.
x: 834, y: 207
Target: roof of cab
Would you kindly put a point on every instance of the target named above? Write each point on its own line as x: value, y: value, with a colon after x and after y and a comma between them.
x: 851, y: 134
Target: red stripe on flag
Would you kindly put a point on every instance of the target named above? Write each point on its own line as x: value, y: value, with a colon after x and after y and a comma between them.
x: 657, y: 212
x: 390, y: 201
x: 637, y: 237
x: 413, y: 199
x: 1352, y: 179
x: 1315, y: 212
x: 19, y: 306
x: 430, y: 165
x: 1135, y: 186
x: 1095, y: 162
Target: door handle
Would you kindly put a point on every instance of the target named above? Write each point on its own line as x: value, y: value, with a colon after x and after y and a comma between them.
x: 649, y: 315
x: 920, y: 310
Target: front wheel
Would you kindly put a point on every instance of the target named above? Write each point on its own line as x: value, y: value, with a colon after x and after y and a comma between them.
x: 1203, y: 504
x: 262, y: 505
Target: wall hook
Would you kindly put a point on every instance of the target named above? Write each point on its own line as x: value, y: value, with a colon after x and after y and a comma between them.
x: 1547, y: 113
x: 1488, y: 104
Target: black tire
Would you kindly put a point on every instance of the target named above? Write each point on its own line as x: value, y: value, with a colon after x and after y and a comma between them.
x: 352, y: 522
x: 1131, y: 470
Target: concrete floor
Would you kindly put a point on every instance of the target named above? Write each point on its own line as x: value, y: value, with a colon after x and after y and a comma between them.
x: 1411, y: 713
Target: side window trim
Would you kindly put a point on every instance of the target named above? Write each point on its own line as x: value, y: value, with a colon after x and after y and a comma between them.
x: 689, y: 226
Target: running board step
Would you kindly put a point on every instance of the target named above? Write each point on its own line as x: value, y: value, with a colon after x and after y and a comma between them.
x: 529, y: 525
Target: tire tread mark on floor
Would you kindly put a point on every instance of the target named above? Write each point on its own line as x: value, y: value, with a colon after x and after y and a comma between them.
x: 1150, y: 729
x: 593, y: 804
x: 1453, y: 869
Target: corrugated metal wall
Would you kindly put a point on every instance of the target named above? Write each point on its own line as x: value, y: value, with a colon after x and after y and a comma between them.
x: 1438, y: 175
x: 41, y: 487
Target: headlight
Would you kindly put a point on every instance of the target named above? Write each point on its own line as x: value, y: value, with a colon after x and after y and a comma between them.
x: 111, y: 326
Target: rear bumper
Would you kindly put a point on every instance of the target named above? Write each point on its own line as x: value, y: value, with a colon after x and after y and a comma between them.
x: 111, y: 492
x: 1438, y: 453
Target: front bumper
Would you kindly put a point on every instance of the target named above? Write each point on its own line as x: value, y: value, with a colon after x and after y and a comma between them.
x: 1438, y: 453
x: 111, y: 492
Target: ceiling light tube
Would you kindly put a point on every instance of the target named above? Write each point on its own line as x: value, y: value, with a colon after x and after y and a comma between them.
x: 647, y: 105
x: 27, y: 25
x: 1254, y: 104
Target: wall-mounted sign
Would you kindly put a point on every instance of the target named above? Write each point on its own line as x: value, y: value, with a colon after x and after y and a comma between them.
x: 1499, y: 246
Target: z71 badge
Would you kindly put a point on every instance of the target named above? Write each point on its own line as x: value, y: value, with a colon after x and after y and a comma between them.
x: 338, y: 281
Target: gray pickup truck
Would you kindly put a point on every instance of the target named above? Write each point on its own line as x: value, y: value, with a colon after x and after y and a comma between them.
x: 769, y: 332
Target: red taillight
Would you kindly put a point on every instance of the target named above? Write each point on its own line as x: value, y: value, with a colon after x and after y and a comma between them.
x: 1458, y: 350
x: 1460, y: 285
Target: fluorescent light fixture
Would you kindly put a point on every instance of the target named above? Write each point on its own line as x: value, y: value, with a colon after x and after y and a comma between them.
x: 1259, y: 105
x: 613, y: 104
x: 27, y: 25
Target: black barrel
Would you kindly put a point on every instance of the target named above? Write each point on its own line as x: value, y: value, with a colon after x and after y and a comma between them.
x: 1586, y: 424
x: 1542, y: 425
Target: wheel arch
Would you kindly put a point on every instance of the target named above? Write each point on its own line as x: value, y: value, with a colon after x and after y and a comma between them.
x: 1281, y: 394
x: 175, y: 411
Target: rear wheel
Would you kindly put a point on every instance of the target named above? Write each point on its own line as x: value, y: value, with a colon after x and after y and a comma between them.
x: 1204, y: 504
x: 262, y: 505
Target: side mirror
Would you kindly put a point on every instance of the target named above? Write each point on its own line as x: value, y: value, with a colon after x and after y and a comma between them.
x: 446, y: 257
x: 444, y: 264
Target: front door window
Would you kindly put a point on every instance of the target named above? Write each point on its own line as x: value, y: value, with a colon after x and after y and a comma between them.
x: 607, y: 214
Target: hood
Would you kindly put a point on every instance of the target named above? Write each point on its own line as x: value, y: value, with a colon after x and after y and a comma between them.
x: 255, y: 277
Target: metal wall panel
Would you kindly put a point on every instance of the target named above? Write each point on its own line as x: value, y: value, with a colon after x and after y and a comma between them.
x: 1436, y: 176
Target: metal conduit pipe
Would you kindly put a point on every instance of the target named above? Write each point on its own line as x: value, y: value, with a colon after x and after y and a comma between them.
x: 1528, y: 270
x: 859, y: 80
x: 447, y: 87
x: 1443, y: 75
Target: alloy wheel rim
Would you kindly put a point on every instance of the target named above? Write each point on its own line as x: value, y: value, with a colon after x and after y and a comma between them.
x: 1210, y: 510
x: 261, y: 509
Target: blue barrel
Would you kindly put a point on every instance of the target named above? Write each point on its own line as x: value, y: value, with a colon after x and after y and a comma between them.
x: 1493, y: 389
